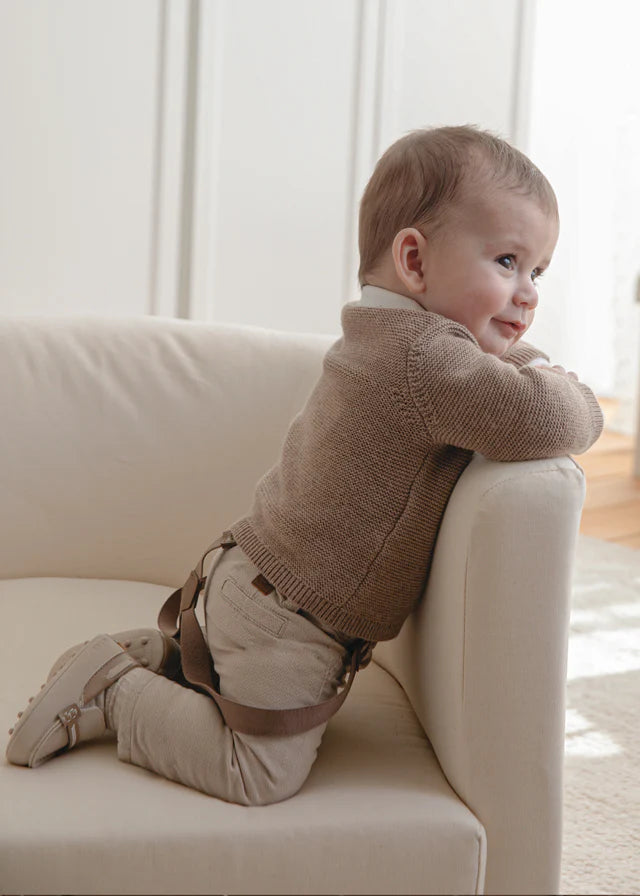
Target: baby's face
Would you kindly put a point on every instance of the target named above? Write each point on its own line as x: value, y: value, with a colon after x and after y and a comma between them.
x: 482, y: 268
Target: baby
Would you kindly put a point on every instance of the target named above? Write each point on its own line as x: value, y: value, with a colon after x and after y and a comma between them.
x: 456, y: 228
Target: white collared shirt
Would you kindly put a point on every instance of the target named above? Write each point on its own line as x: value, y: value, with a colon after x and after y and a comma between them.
x: 377, y: 297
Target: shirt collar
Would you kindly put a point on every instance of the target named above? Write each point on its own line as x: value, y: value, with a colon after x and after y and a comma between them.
x: 376, y: 297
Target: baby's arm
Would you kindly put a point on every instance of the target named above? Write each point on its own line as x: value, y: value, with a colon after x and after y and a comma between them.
x: 477, y: 401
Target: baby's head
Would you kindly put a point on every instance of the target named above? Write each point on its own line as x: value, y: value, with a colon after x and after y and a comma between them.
x: 463, y: 223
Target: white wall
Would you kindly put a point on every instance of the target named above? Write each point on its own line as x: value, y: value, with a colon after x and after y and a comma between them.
x: 275, y: 137
x: 449, y: 63
x: 205, y: 158
x: 433, y: 64
x: 585, y: 135
x: 78, y: 82
x: 296, y: 101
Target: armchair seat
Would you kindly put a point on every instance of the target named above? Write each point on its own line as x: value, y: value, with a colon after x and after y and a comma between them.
x: 87, y: 823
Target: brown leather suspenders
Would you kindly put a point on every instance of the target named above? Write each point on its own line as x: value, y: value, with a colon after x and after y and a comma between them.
x: 177, y: 618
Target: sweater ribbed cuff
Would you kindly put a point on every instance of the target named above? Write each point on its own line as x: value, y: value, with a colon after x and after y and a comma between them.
x: 522, y: 353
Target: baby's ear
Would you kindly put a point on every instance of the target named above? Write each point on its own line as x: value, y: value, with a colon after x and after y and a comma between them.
x: 408, y: 252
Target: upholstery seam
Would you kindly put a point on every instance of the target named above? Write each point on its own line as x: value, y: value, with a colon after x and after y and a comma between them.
x: 479, y: 862
x: 464, y: 628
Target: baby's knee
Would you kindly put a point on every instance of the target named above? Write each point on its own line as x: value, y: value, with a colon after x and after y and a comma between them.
x: 274, y: 769
x: 271, y: 790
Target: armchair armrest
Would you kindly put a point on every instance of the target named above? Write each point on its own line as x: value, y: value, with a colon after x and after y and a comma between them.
x: 483, y: 658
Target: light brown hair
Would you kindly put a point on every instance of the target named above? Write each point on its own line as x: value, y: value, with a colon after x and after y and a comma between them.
x: 421, y: 175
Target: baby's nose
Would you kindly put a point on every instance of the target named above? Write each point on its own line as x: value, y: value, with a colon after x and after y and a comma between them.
x: 526, y: 294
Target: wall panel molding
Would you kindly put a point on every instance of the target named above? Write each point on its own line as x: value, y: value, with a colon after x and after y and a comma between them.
x: 286, y: 109
x: 207, y: 163
x: 523, y: 72
x: 365, y: 126
x: 169, y: 163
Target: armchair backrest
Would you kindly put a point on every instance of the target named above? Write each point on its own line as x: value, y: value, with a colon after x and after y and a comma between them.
x: 129, y: 444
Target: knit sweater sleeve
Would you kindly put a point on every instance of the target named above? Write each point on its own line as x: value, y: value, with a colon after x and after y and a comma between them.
x: 474, y: 400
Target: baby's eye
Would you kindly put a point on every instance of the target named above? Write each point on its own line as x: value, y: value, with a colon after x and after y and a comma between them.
x: 507, y: 261
x: 536, y: 273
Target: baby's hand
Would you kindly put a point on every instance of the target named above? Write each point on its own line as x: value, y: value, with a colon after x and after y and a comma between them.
x: 555, y: 368
x: 558, y: 369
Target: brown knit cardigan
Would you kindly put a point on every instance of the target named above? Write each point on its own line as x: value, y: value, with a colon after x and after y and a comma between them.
x: 345, y: 523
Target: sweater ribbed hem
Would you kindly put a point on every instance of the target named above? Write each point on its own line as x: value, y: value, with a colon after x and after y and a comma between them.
x: 303, y: 596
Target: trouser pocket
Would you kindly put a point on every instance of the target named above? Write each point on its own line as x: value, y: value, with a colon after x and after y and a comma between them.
x: 265, y: 653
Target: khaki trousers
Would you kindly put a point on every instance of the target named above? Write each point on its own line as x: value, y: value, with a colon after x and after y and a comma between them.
x: 266, y: 654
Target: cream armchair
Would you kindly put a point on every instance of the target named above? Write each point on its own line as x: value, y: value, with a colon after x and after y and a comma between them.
x: 127, y: 446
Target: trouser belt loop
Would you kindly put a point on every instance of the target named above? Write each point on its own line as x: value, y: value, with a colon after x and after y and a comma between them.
x: 186, y: 598
x: 225, y: 542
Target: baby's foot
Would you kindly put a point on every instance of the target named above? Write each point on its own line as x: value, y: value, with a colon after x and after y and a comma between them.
x: 70, y: 706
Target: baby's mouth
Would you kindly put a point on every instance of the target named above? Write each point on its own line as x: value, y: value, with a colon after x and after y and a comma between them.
x: 512, y: 328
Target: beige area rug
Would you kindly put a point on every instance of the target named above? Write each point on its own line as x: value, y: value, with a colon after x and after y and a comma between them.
x: 601, y: 851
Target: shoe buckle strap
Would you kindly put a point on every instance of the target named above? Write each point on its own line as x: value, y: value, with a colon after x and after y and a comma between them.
x: 69, y: 717
x: 107, y: 674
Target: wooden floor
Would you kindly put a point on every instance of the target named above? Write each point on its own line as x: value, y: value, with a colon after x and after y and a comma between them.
x: 612, y: 505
